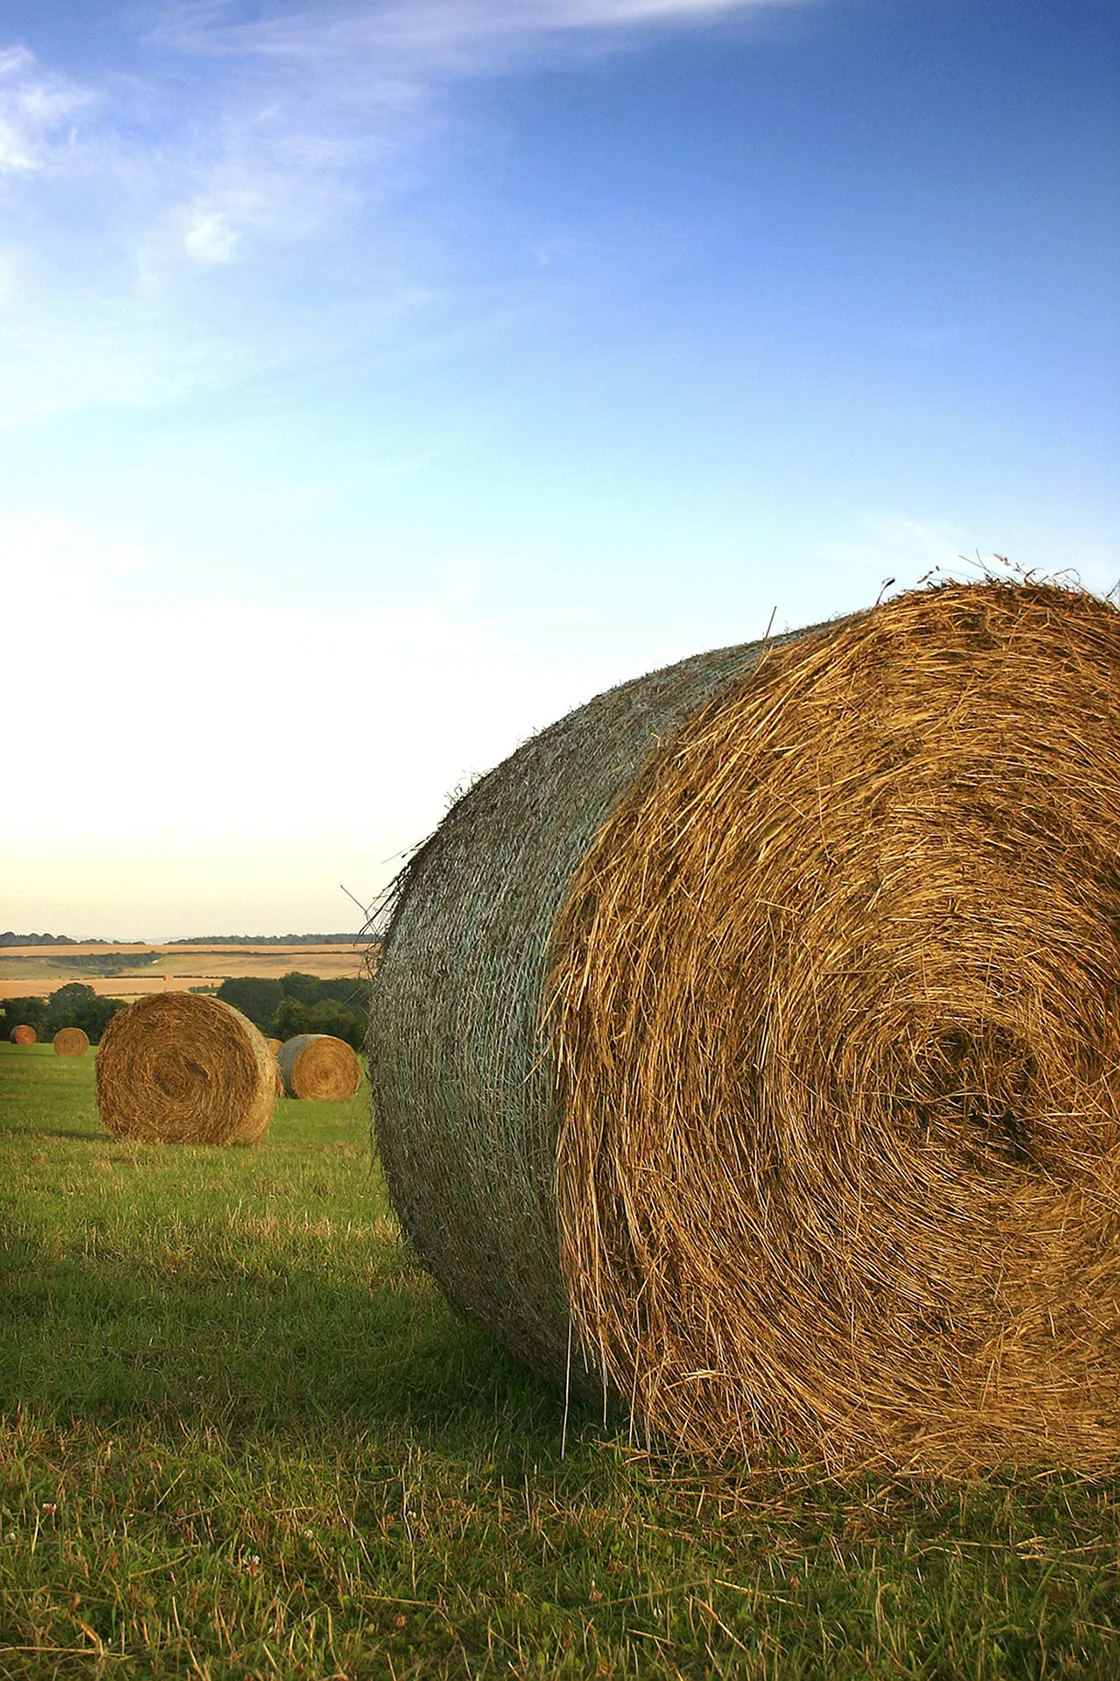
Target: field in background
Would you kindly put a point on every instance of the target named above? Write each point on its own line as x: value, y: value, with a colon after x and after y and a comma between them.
x: 241, y: 1434
x: 37, y: 970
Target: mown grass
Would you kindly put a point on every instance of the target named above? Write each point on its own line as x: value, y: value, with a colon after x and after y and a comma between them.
x: 241, y: 1435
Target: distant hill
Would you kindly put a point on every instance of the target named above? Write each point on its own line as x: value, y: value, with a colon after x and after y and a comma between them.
x: 268, y: 940
x: 10, y: 939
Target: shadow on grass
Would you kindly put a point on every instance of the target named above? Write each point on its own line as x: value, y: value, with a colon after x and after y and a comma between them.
x: 251, y: 1349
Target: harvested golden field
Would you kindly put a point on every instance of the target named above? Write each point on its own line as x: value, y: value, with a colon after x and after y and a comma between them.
x: 31, y: 970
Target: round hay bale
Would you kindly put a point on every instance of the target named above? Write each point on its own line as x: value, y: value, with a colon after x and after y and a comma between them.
x: 182, y: 1068
x: 70, y: 1041
x: 320, y: 1066
x: 23, y: 1035
x: 274, y: 1045
x: 749, y: 1041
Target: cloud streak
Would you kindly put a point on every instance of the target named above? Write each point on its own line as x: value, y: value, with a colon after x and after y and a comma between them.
x: 266, y: 159
x: 38, y: 110
x: 426, y: 37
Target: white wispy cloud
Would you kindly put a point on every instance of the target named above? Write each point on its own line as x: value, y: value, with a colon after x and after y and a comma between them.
x: 263, y: 156
x: 428, y: 37
x: 320, y: 93
x: 210, y: 236
x: 37, y: 112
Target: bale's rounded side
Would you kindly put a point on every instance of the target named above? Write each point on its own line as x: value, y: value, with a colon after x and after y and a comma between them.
x: 317, y: 1065
x: 180, y: 1067
x: 23, y: 1035
x: 821, y: 1148
x: 463, y: 1100
x: 70, y: 1041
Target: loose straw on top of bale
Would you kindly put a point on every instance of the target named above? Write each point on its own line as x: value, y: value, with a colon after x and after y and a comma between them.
x: 822, y: 1148
x: 23, y: 1035
x: 179, y: 1067
x: 70, y: 1041
x: 317, y: 1065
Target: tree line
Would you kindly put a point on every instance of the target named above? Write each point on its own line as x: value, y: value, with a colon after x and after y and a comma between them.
x: 268, y: 940
x: 299, y: 1003
x: 8, y: 938
x: 294, y: 1004
x: 73, y: 1005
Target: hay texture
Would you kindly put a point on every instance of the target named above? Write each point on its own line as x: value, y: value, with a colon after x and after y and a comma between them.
x: 70, y: 1041
x: 748, y: 1043
x: 23, y: 1035
x: 318, y: 1065
x: 182, y: 1068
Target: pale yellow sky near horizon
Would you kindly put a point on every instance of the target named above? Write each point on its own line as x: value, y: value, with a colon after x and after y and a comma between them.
x: 201, y: 770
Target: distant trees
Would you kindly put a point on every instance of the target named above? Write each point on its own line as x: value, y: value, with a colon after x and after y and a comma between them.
x: 296, y: 1003
x: 327, y: 1016
x: 106, y: 963
x: 255, y: 998
x: 73, y: 1005
x: 7, y: 938
x: 299, y: 1003
x: 307, y: 988
x: 77, y: 1005
x: 25, y: 1012
x: 268, y: 940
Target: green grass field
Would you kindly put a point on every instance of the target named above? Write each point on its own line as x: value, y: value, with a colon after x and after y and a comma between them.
x: 241, y: 1434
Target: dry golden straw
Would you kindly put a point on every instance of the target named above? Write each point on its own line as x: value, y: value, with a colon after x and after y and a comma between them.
x: 273, y: 1046
x: 320, y: 1066
x: 182, y: 1068
x: 70, y: 1041
x: 819, y: 1147
x: 23, y: 1035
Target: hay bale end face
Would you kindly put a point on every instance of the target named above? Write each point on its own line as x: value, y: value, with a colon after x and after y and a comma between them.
x: 179, y: 1067
x: 70, y: 1041
x: 317, y: 1065
x: 755, y: 1032
x: 23, y: 1035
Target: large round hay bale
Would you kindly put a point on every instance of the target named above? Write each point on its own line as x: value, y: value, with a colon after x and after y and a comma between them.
x: 320, y: 1066
x: 23, y: 1035
x: 182, y: 1068
x: 70, y: 1041
x: 749, y: 1041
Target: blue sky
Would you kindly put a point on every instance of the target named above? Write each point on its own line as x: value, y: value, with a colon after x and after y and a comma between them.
x: 379, y: 380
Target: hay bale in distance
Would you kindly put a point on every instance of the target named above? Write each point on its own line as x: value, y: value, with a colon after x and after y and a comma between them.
x: 181, y: 1067
x: 70, y: 1041
x: 318, y: 1065
x: 754, y: 1032
x: 23, y: 1035
x: 274, y: 1045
